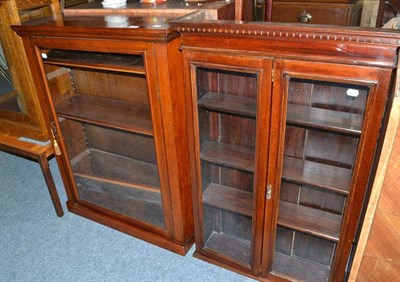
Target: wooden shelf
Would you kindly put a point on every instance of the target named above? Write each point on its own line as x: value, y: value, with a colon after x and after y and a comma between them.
x: 237, y: 105
x: 119, y: 114
x: 116, y: 169
x: 319, y: 175
x: 312, y: 221
x: 324, y: 119
x: 229, y: 199
x: 298, y: 268
x: 139, y: 204
x: 232, y: 247
x: 233, y: 156
x: 98, y: 61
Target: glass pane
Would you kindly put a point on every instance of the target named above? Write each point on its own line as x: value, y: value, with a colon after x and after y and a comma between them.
x: 9, y: 99
x: 227, y: 106
x: 323, y: 127
x: 104, y: 113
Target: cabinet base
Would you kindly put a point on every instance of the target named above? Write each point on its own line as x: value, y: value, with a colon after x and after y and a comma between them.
x: 155, y: 239
x: 270, y: 277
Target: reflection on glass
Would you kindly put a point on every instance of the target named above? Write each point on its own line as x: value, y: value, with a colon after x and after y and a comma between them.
x: 323, y: 128
x: 227, y: 102
x: 9, y: 99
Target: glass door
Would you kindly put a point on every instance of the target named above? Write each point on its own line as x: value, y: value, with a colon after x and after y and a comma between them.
x: 228, y: 101
x: 102, y: 104
x: 324, y: 112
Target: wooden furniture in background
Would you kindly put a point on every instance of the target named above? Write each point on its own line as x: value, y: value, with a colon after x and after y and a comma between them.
x: 22, y: 113
x: 285, y: 123
x: 388, y: 9
x: 114, y: 87
x: 28, y: 121
x: 221, y: 10
x: 332, y: 12
x: 40, y: 153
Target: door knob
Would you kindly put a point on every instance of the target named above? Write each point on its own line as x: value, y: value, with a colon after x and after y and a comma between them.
x: 305, y: 17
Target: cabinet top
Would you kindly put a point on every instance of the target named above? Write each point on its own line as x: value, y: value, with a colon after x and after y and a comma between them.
x: 135, y: 26
x: 146, y: 22
x: 352, y: 45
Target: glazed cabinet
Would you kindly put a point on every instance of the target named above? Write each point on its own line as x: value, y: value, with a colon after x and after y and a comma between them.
x: 111, y: 92
x: 283, y: 144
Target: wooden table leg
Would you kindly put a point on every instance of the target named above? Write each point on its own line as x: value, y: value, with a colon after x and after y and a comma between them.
x: 44, y: 164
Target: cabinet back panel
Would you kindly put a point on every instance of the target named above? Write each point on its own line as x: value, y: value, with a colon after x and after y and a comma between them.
x: 237, y: 130
x: 61, y: 86
x: 299, y: 92
x: 233, y: 178
x: 334, y: 97
x: 304, y: 246
x: 289, y: 192
x: 327, y: 95
x: 295, y: 140
x: 211, y: 221
x: 312, y: 197
x: 284, y: 240
x: 237, y: 179
x: 322, y: 199
x: 226, y: 129
x: 221, y: 221
x: 118, y: 142
x: 236, y: 225
x: 312, y: 248
x: 225, y: 82
x: 238, y: 84
x: 129, y: 87
x: 208, y: 174
x: 334, y: 149
x: 75, y: 146
x: 319, y: 146
x: 205, y: 118
x: 207, y: 81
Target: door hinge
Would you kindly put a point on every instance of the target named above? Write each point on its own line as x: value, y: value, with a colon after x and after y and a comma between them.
x: 269, y: 192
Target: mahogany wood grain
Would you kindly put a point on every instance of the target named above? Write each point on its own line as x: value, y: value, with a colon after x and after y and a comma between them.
x: 153, y: 95
x: 324, y: 62
x: 108, y: 112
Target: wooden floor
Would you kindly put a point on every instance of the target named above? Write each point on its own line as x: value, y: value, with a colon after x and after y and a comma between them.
x: 378, y: 253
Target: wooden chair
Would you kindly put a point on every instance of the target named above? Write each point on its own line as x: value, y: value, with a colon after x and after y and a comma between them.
x: 30, y: 125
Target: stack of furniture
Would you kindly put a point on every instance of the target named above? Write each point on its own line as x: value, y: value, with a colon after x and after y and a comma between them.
x: 338, y: 12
